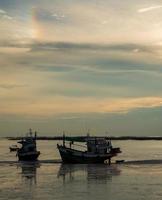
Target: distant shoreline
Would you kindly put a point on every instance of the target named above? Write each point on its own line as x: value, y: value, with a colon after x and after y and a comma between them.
x: 82, y: 138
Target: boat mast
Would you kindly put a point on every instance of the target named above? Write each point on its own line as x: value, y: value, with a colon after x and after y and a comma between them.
x: 30, y: 132
x: 63, y: 139
x: 35, y: 135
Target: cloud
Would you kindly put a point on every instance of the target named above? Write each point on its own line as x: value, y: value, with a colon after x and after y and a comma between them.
x: 2, y: 11
x: 7, y: 17
x: 4, y: 15
x: 12, y: 86
x: 54, y: 106
x: 149, y: 8
x: 69, y: 117
x: 100, y: 22
x: 42, y: 15
x: 79, y: 57
x: 52, y: 46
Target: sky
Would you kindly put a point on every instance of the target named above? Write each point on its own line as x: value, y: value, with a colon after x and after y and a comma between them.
x: 81, y: 66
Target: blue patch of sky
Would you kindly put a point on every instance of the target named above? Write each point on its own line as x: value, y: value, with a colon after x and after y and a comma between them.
x: 138, y: 84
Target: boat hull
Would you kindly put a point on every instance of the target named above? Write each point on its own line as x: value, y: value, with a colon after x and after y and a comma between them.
x: 74, y: 156
x: 30, y: 156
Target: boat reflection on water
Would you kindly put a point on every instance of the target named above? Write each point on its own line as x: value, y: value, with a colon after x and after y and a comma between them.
x: 29, y: 172
x: 92, y: 172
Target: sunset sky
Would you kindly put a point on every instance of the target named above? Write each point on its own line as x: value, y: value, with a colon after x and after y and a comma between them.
x: 76, y: 65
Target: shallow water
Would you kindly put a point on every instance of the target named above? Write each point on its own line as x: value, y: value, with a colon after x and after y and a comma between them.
x: 57, y: 181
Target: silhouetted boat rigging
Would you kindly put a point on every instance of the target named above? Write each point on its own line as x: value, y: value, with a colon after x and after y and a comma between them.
x: 98, y: 150
x: 28, y: 151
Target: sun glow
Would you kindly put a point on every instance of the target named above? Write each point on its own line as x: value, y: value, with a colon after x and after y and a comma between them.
x: 36, y: 29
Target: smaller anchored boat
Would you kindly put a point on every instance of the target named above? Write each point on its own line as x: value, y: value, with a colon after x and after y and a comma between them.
x: 28, y: 151
x: 13, y: 148
x: 98, y: 150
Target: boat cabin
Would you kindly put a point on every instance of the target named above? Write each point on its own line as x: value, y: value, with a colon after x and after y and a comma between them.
x: 28, y: 145
x: 98, y: 145
x: 29, y: 142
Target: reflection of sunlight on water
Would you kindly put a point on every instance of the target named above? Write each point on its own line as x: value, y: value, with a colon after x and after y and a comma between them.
x: 86, y: 181
x: 143, y: 169
x: 140, y: 179
x: 91, y: 172
x: 139, y: 150
x: 29, y: 172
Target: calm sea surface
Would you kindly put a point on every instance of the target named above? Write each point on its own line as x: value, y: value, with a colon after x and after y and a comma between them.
x: 49, y: 181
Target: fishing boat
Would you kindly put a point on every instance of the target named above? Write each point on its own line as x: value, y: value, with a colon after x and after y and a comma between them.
x: 13, y: 148
x: 98, y: 150
x: 28, y: 151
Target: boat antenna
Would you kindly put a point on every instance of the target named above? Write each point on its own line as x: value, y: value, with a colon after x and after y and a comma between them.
x: 30, y: 132
x: 88, y: 133
x: 63, y: 138
x: 35, y: 135
x: 107, y: 133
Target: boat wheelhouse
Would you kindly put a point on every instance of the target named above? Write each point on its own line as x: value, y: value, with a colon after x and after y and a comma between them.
x: 98, y: 150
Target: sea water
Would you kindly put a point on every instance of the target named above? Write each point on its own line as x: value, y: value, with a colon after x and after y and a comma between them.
x: 49, y: 180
